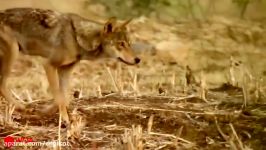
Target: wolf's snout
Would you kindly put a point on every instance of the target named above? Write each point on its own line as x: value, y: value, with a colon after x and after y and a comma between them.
x: 137, y: 60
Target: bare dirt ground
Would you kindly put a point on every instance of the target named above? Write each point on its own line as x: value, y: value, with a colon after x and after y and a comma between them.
x: 178, y: 123
x: 153, y: 106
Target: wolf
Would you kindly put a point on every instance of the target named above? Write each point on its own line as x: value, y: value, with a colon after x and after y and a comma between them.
x: 63, y: 40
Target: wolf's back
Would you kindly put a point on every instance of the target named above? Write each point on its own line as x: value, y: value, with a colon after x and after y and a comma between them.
x: 30, y: 19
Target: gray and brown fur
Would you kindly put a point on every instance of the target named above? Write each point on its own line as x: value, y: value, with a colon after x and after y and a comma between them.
x: 63, y: 39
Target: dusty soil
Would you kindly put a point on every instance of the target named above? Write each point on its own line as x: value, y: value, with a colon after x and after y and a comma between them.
x: 107, y: 119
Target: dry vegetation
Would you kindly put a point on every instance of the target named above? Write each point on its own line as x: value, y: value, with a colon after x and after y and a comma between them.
x: 201, y: 85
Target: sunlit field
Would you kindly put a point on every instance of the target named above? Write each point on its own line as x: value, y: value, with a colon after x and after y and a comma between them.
x: 200, y: 85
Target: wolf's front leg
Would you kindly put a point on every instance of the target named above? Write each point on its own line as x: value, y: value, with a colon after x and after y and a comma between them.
x: 58, y: 94
x: 64, y: 73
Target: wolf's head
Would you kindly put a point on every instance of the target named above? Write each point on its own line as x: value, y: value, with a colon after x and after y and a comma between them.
x: 116, y: 43
x: 111, y: 40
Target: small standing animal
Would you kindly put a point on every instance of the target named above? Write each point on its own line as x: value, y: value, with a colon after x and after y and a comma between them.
x: 63, y: 39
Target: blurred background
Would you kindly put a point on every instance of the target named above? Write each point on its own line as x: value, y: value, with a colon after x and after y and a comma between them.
x: 170, y: 11
x: 206, y: 35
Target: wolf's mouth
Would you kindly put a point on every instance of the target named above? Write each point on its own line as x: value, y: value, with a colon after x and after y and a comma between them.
x: 122, y: 60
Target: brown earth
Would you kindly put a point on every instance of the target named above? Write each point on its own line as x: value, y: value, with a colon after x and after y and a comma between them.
x: 190, y: 119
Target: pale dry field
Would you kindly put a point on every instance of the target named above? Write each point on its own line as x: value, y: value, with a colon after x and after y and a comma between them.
x: 152, y: 105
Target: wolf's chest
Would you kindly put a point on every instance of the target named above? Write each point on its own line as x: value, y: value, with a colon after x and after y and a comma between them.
x: 70, y: 60
x: 63, y: 57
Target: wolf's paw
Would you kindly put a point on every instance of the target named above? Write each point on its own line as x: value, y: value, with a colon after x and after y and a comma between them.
x: 20, y: 107
x: 48, y: 110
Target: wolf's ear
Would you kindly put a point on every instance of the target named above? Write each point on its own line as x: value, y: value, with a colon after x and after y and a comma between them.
x: 110, y: 25
x: 126, y: 23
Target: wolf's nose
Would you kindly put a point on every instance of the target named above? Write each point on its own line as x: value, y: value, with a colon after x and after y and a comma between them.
x: 137, y: 60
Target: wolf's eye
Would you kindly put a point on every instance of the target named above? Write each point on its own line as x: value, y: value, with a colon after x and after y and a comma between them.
x: 122, y: 44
